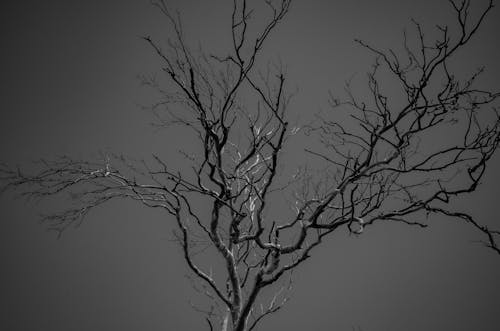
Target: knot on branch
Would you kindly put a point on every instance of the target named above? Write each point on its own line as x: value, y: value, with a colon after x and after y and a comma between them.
x: 356, y: 225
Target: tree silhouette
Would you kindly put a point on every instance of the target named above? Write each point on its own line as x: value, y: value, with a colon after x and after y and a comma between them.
x: 379, y: 163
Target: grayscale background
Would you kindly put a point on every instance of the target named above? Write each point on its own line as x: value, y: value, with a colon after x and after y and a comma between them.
x: 69, y: 86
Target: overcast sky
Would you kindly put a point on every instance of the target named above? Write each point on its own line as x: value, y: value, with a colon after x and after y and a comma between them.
x: 69, y: 86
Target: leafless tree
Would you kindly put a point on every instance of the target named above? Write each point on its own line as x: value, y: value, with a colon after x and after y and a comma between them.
x: 379, y: 162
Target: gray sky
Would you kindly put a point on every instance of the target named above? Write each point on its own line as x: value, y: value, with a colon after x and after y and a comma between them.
x: 69, y: 86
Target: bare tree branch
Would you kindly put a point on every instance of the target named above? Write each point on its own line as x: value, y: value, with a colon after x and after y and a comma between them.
x: 379, y: 164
